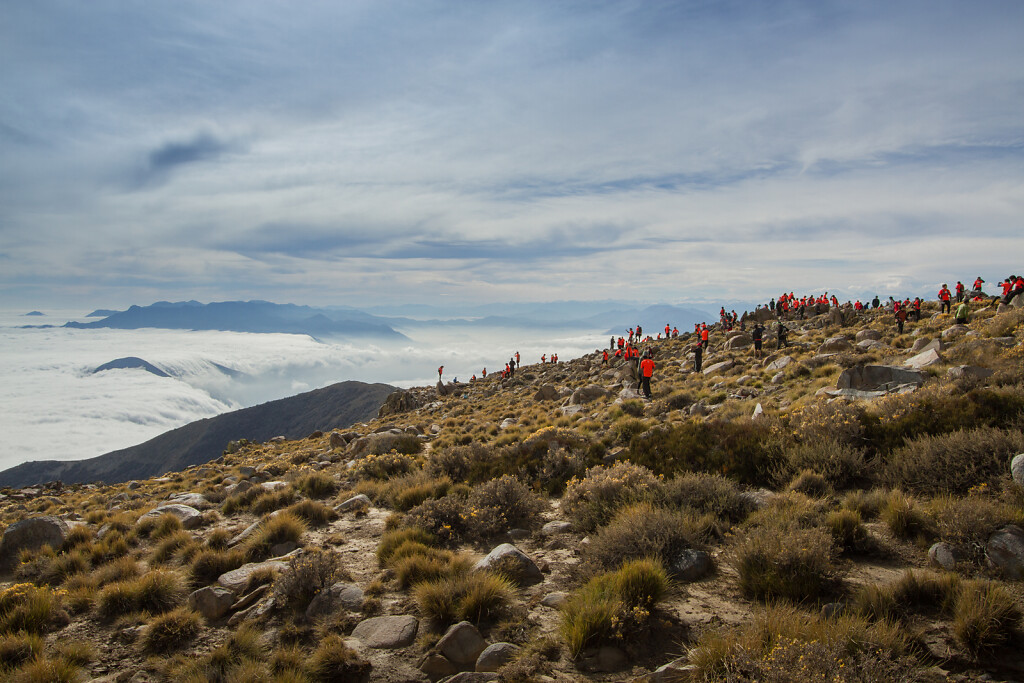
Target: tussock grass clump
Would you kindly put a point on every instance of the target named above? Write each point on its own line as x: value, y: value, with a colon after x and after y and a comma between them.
x: 155, y: 592
x: 967, y: 522
x: 272, y: 500
x: 156, y: 528
x: 644, y: 530
x: 208, y: 565
x: 386, y: 465
x: 308, y: 575
x: 281, y: 528
x: 405, y: 492
x: 414, y: 563
x: 469, y: 597
x: 45, y: 669
x: 18, y: 648
x: 332, y: 660
x: 594, y: 500
x: 394, y: 539
x: 313, y: 512
x: 28, y: 609
x: 317, y: 485
x: 986, y: 616
x: 784, y: 562
x: 240, y: 658
x: 613, y: 605
x: 868, y: 504
x: 905, y: 519
x: 171, y: 630
x: 811, y: 484
x: 954, y: 462
x: 179, y: 544
x: 847, y: 531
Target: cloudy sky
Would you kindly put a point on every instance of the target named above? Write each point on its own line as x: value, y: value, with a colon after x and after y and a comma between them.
x: 384, y: 152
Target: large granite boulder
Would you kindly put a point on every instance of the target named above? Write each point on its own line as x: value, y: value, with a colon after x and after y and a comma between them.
x: 837, y: 344
x: 398, y: 402
x: 29, y: 534
x: 387, y: 633
x: 212, y: 602
x: 587, y: 394
x: 546, y: 392
x: 879, y: 378
x: 189, y: 517
x: 512, y: 562
x: 738, y: 341
x: 1005, y: 551
x: 923, y: 359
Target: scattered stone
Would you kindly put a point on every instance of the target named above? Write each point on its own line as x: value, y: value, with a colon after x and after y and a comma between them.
x: 955, y: 331
x: 779, y: 363
x: 387, y: 633
x: 237, y: 579
x: 212, y: 602
x: 690, y: 565
x: 190, y: 517
x: 496, y: 656
x: 546, y: 392
x: 512, y: 562
x: 196, y: 500
x: 1017, y: 469
x: 337, y: 440
x: 676, y: 670
x: 879, y: 377
x: 723, y: 366
x: 398, y: 402
x: 507, y: 422
x: 29, y: 534
x: 461, y: 643
x: 1005, y: 551
x: 251, y: 598
x: 437, y: 666
x: 555, y: 599
x: 588, y: 394
x: 739, y: 341
x: 868, y: 335
x: 362, y: 501
x: 555, y: 527
x: 835, y: 345
x: 943, y: 555
x: 246, y: 471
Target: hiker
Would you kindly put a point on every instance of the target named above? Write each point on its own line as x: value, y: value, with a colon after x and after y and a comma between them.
x: 698, y: 357
x: 977, y: 284
x: 517, y: 358
x: 944, y: 298
x: 704, y: 334
x: 782, y: 331
x: 917, y: 309
x: 758, y: 335
x: 668, y: 330
x: 606, y: 357
x: 511, y: 367
x: 439, y: 371
x: 675, y: 332
x: 543, y: 358
x: 901, y: 317
x: 875, y: 303
x: 961, y: 313
x: 646, y: 370
x: 959, y: 289
x: 484, y: 373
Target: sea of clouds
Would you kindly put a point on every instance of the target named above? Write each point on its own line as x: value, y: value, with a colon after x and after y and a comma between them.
x: 54, y: 407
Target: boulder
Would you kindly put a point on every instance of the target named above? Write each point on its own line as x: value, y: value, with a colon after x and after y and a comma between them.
x: 556, y: 527
x: 835, y: 345
x: 723, y: 366
x: 869, y: 345
x: 496, y: 656
x: 212, y: 602
x: 555, y: 600
x: 690, y: 565
x: 879, y: 377
x: 1017, y: 469
x: 237, y: 579
x: 190, y: 517
x: 360, y: 501
x: 437, y: 666
x: 546, y: 392
x: 387, y: 633
x: 512, y: 562
x: 507, y: 422
x: 196, y: 500
x: 968, y: 372
x: 587, y: 394
x: 399, y: 402
x: 1005, y: 551
x: 923, y: 359
x: 739, y: 341
x: 868, y: 335
x: 779, y: 363
x: 461, y: 643
x: 29, y: 534
x: 342, y: 594
x: 955, y: 331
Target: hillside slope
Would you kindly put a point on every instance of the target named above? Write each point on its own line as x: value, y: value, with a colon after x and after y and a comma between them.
x: 334, y: 406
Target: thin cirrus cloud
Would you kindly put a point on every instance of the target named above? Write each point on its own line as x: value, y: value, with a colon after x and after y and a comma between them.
x: 529, y: 145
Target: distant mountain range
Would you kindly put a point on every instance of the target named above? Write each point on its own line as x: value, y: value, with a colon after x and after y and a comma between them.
x: 336, y: 406
x: 245, y: 316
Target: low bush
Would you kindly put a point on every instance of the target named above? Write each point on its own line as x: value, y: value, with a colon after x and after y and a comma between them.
x: 390, y: 541
x: 612, y: 606
x: 317, y: 485
x: 473, y: 597
x: 281, y: 528
x: 967, y: 522
x: 708, y: 493
x: 905, y: 519
x: 784, y: 562
x: 26, y: 608
x: 643, y: 530
x: 986, y: 615
x: 383, y: 466
x: 312, y: 512
x: 810, y: 484
x: 171, y: 630
x: 332, y: 660
x: 868, y: 504
x: 155, y: 592
x: 847, y: 531
x: 594, y: 500
x: 306, y: 576
x: 839, y: 463
x: 953, y: 462
x: 499, y: 505
x: 445, y: 519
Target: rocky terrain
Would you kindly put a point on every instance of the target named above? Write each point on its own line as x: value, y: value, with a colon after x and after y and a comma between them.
x: 848, y: 508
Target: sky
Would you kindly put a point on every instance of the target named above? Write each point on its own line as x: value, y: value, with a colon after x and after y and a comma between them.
x: 386, y: 152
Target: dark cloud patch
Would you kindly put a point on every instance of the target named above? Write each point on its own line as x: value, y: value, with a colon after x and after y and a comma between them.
x: 172, y: 155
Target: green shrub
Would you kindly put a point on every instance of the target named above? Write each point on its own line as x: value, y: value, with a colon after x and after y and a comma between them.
x: 905, y: 519
x: 953, y: 462
x: 306, y: 576
x: 708, y: 493
x: 594, y: 500
x: 612, y: 606
x: 644, y: 530
x: 499, y: 505
x: 745, y: 451
x: 392, y: 540
x: 784, y: 563
x: 171, y: 630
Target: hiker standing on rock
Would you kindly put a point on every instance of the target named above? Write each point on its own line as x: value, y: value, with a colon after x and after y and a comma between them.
x: 439, y: 371
x: 944, y: 295
x: 698, y: 358
x: 757, y: 334
x: 901, y: 317
x: 782, y: 331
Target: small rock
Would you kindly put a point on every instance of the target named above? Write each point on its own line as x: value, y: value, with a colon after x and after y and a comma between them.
x: 496, y: 656
x: 462, y: 643
x: 555, y: 599
x: 690, y: 565
x: 437, y: 666
x: 190, y: 517
x: 968, y: 371
x: 555, y: 527
x: 943, y: 555
x: 361, y: 501
x: 1017, y: 469
x: 1005, y: 551
x: 512, y: 562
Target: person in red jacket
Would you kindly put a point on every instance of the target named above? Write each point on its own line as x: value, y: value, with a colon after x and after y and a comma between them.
x: 978, y: 283
x: 704, y: 336
x: 959, y: 291
x: 944, y: 296
x: 646, y: 371
x: 668, y: 330
x: 439, y: 371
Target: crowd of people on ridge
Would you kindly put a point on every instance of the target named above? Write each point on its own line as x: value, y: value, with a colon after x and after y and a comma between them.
x: 633, y: 346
